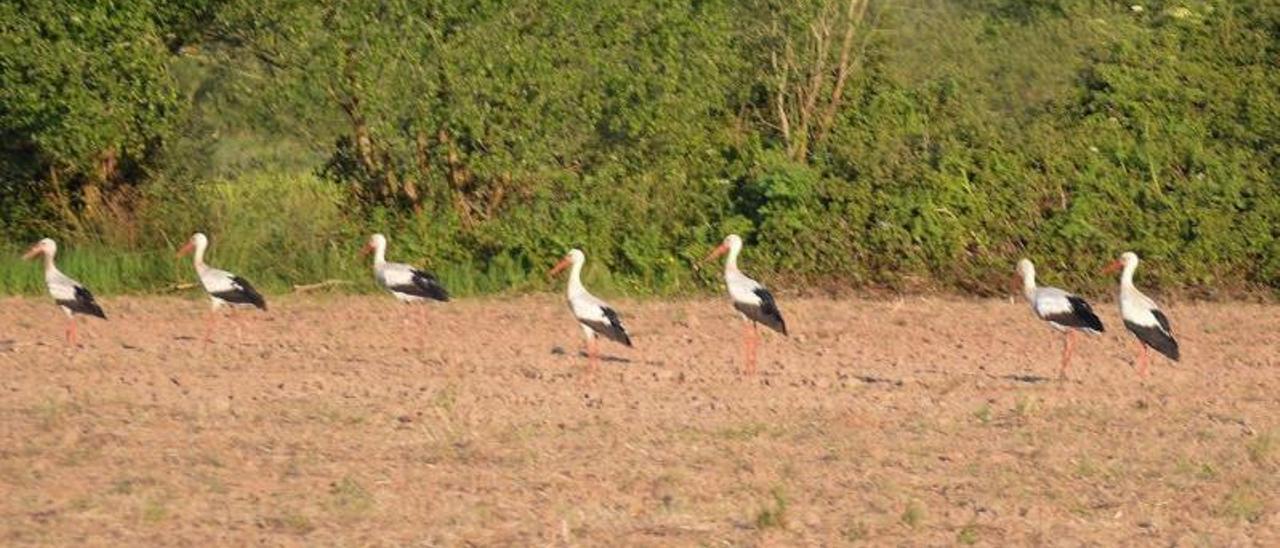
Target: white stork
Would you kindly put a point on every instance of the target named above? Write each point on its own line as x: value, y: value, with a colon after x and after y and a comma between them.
x: 406, y: 283
x: 751, y: 299
x: 1064, y: 311
x: 224, y: 288
x: 72, y: 297
x: 594, y: 315
x: 1142, y: 316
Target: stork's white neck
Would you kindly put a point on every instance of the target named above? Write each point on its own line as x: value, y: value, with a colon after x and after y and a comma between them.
x: 49, y: 267
x: 575, y: 279
x: 198, y: 256
x: 1029, y: 282
x: 731, y: 262
x: 379, y: 253
x: 1126, y: 277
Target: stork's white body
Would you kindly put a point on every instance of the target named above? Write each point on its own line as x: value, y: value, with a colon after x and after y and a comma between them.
x: 595, y: 317
x: 223, y: 288
x: 1048, y: 302
x: 61, y: 286
x: 406, y: 283
x: 1143, y: 317
x: 1065, y: 312
x: 753, y: 302
x: 72, y: 297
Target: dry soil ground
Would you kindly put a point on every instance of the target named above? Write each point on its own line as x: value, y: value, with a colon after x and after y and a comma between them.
x: 916, y: 422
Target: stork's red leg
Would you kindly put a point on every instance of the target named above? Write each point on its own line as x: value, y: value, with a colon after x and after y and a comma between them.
x: 237, y: 321
x: 208, y: 326
x: 1146, y: 359
x: 71, y: 331
x: 593, y: 357
x: 421, y: 328
x: 755, y: 343
x: 1067, y: 343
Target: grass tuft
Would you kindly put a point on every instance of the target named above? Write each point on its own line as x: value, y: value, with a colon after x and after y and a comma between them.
x: 1242, y: 503
x: 855, y: 532
x: 913, y: 515
x: 290, y: 522
x: 348, y: 497
x: 773, y: 516
x: 1262, y: 448
x: 983, y: 414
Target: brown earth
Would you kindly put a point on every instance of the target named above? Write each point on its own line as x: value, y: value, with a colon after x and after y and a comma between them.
x: 916, y: 422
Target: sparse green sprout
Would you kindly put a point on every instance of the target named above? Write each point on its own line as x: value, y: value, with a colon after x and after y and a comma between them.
x: 775, y: 515
x: 1262, y: 448
x: 913, y: 516
x: 983, y: 414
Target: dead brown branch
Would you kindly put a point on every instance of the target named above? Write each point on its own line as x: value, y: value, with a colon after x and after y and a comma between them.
x: 303, y: 288
x: 807, y: 104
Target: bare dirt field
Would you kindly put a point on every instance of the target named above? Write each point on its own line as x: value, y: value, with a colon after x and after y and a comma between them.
x: 915, y: 422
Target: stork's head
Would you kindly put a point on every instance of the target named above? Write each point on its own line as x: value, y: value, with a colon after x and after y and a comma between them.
x: 732, y: 242
x: 1127, y: 259
x: 45, y: 247
x: 573, y: 257
x: 1025, y: 267
x: 376, y: 242
x: 196, y: 241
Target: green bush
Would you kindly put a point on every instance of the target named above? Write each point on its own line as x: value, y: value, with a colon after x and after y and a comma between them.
x: 487, y: 138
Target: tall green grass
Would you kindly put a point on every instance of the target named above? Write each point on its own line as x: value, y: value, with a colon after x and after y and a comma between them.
x: 277, y: 230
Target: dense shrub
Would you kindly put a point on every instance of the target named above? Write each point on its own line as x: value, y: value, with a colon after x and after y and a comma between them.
x: 854, y: 144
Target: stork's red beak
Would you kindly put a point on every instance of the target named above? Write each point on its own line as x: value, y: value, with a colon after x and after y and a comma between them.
x: 31, y: 253
x: 560, y: 266
x: 367, y: 249
x: 1114, y: 266
x: 717, y: 252
x: 191, y: 245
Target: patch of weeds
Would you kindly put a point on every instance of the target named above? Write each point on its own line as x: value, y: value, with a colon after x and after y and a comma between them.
x: 913, y: 516
x: 1262, y: 448
x: 334, y: 415
x: 209, y: 459
x: 968, y: 535
x: 1086, y: 468
x: 1242, y: 503
x: 79, y: 455
x: 918, y: 426
x: 1025, y: 407
x: 291, y: 469
x: 445, y: 398
x: 349, y: 497
x: 127, y: 486
x: 49, y: 415
x: 213, y: 483
x: 290, y: 522
x: 80, y: 504
x: 154, y: 511
x: 774, y: 516
x: 983, y: 414
x: 742, y: 433
x: 1201, y: 471
x: 665, y: 489
x: 855, y: 532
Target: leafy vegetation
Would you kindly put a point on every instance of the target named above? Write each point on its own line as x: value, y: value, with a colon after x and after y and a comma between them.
x: 914, y: 144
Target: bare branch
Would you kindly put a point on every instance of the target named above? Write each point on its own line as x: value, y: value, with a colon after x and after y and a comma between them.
x: 857, y: 10
x: 303, y: 288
